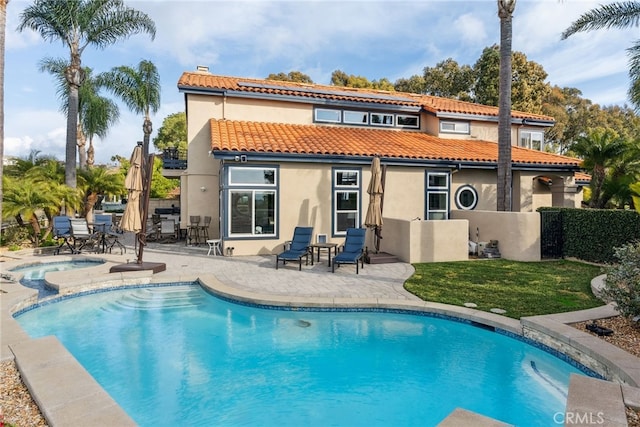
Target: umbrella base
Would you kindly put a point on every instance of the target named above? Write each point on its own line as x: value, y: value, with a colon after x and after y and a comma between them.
x: 156, y: 267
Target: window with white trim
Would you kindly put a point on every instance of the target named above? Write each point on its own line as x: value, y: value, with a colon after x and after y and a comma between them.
x: 447, y: 126
x: 437, y: 195
x: 251, y: 201
x: 355, y: 117
x: 378, y: 119
x: 466, y: 197
x: 346, y: 199
x: 531, y: 139
x: 405, y: 121
x: 328, y: 116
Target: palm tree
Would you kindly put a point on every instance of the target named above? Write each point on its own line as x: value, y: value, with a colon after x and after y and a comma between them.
x: 139, y: 89
x: 505, y: 12
x: 24, y: 199
x: 615, y: 15
x: 98, y: 181
x: 3, y: 28
x: 95, y: 113
x: 599, y: 150
x: 78, y: 24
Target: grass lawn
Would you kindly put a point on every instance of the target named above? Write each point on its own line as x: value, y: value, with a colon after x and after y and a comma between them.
x: 521, y: 288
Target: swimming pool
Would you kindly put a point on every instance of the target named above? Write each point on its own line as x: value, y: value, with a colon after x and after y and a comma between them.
x: 33, y: 273
x: 178, y: 355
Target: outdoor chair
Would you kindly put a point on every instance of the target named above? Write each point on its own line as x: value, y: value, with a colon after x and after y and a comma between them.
x: 298, y: 247
x: 204, y: 228
x: 193, y: 230
x: 167, y: 231
x: 352, y: 249
x: 104, y: 223
x: 62, y: 233
x: 82, y: 235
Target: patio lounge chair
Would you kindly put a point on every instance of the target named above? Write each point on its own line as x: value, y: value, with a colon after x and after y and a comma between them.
x: 62, y: 232
x: 83, y: 236
x: 352, y: 249
x: 298, y: 248
x: 167, y: 231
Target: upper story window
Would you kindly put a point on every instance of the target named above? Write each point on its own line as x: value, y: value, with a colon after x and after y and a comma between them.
x: 402, y: 120
x: 330, y: 116
x: 454, y: 127
x: 366, y: 118
x: 378, y: 119
x: 355, y: 117
x: 531, y: 139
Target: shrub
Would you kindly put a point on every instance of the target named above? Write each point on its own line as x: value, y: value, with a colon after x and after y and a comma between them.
x: 623, y: 280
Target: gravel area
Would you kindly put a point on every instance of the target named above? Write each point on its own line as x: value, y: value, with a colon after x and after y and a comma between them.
x: 18, y: 408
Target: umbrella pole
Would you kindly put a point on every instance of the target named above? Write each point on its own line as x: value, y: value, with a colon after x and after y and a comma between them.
x: 142, y: 235
x: 378, y: 231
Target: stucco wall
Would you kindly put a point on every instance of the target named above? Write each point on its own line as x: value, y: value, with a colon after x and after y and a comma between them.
x: 518, y: 233
x: 425, y: 241
x: 484, y: 182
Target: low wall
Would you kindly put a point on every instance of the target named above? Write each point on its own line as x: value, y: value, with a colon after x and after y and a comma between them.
x: 517, y: 233
x: 426, y: 241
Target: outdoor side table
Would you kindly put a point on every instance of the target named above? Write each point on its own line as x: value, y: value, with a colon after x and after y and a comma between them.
x: 328, y: 247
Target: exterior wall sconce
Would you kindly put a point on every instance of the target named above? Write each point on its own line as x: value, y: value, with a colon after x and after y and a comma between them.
x: 203, y: 189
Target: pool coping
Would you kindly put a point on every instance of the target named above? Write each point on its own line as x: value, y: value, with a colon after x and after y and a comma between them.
x: 552, y: 330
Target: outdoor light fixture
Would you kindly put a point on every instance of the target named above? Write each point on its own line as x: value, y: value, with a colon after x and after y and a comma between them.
x: 203, y: 189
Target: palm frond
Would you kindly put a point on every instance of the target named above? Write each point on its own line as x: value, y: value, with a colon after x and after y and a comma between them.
x: 614, y: 15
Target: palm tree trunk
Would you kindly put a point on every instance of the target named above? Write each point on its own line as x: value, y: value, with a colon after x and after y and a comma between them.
x: 74, y: 76
x: 505, y: 11
x: 82, y: 142
x: 35, y: 225
x: 3, y: 27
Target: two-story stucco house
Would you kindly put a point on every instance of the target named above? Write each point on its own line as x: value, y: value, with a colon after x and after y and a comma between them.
x: 265, y: 156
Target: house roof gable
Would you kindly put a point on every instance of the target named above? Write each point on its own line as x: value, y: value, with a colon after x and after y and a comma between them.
x: 204, y: 81
x: 277, y: 138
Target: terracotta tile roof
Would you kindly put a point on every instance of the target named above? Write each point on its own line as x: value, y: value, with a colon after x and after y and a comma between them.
x: 434, y: 104
x: 582, y: 177
x: 240, y: 136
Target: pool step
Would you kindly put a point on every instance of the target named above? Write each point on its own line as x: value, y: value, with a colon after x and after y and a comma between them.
x: 159, y: 299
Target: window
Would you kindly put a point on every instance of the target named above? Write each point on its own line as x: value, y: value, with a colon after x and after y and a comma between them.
x: 407, y: 121
x: 381, y: 119
x: 346, y: 200
x: 454, y: 127
x: 531, y: 139
x: 466, y: 198
x: 437, y: 200
x: 356, y: 117
x: 251, y: 198
x: 330, y: 116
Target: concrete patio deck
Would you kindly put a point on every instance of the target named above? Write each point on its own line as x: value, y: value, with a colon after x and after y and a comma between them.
x: 255, y: 279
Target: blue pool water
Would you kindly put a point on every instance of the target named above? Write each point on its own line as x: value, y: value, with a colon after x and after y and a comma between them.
x: 34, y: 273
x: 176, y: 355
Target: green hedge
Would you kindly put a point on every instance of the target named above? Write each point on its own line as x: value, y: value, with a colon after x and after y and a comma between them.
x: 592, y: 234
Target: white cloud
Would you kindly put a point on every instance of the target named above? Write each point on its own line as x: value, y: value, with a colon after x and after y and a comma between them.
x: 471, y: 29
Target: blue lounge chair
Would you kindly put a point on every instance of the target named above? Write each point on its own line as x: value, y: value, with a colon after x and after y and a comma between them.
x: 352, y: 250
x: 62, y: 232
x: 298, y: 248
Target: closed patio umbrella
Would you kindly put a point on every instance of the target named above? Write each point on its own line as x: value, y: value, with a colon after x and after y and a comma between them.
x: 131, y: 218
x: 373, y: 218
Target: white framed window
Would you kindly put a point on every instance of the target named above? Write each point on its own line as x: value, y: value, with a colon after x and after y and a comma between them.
x: 447, y: 126
x: 407, y: 121
x: 328, y: 116
x: 437, y: 195
x: 531, y: 139
x: 466, y: 198
x: 355, y: 117
x: 251, y: 196
x: 346, y: 199
x: 379, y: 119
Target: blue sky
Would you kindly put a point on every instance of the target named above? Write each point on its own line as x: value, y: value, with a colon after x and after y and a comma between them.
x: 375, y: 39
